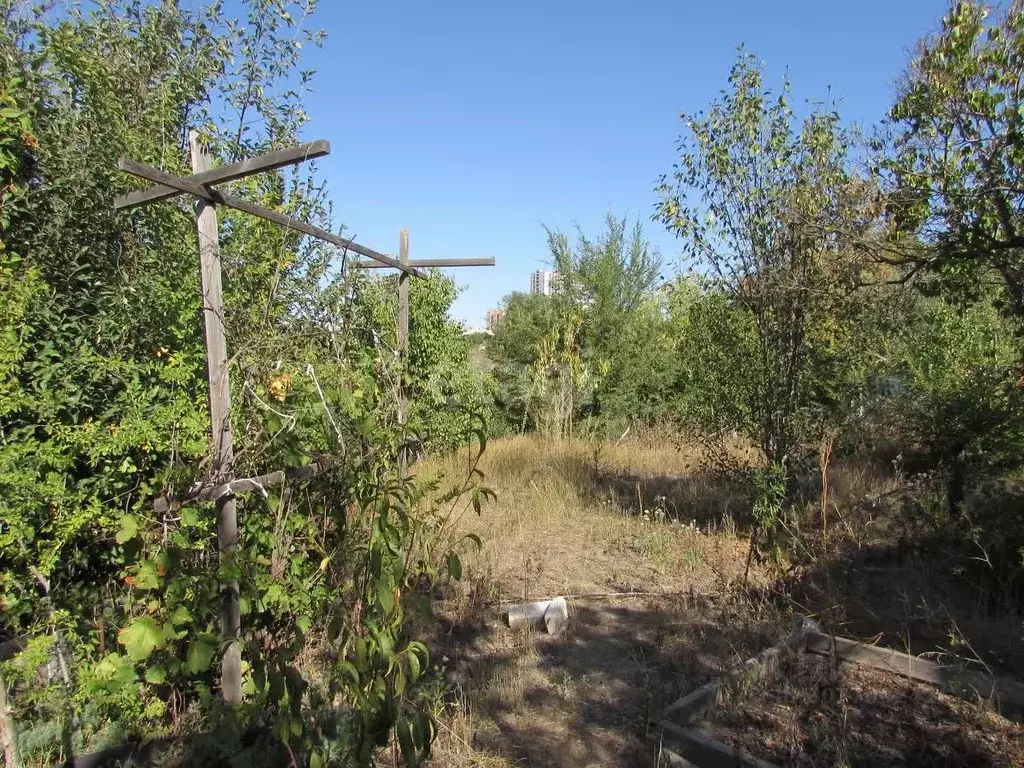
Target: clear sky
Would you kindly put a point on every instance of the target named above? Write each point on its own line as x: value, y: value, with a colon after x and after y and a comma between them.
x: 474, y: 123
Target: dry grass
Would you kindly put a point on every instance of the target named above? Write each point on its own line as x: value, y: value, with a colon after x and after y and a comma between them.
x: 570, y: 519
x: 645, y: 516
x: 585, y: 520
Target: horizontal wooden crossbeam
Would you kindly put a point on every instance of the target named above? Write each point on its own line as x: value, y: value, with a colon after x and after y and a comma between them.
x: 488, y: 262
x: 231, y: 172
x: 242, y: 485
x: 219, y: 198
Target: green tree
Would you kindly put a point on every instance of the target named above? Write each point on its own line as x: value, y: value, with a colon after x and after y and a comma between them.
x: 611, y: 282
x: 440, y: 384
x: 514, y: 348
x: 103, y: 405
x: 954, y: 156
x: 770, y: 209
x: 957, y: 395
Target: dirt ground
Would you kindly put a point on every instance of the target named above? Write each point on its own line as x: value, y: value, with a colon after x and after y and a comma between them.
x: 651, y: 551
x: 812, y: 714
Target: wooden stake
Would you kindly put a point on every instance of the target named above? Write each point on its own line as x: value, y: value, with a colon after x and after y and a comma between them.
x: 403, y: 343
x: 8, y: 734
x: 221, y: 449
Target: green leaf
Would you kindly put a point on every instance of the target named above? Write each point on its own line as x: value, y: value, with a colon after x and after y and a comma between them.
x: 334, y: 628
x: 454, y: 566
x: 155, y: 675
x: 350, y: 669
x: 414, y: 666
x: 129, y: 527
x: 147, y: 576
x: 141, y: 638
x: 476, y: 540
x: 115, y: 672
x: 201, y: 653
x: 190, y: 517
x: 180, y: 615
x: 276, y: 687
x: 405, y: 741
x: 304, y: 623
x: 385, y: 596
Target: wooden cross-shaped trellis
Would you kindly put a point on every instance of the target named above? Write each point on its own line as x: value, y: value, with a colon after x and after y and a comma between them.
x: 222, y: 484
x: 403, y: 317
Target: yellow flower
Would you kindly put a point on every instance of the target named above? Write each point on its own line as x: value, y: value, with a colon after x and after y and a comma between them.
x: 280, y: 385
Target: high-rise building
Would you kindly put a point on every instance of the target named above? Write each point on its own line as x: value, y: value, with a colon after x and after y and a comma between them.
x: 544, y: 282
x: 493, y: 318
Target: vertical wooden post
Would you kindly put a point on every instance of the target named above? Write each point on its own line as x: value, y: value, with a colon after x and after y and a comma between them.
x: 8, y: 734
x: 221, y: 449
x: 403, y: 344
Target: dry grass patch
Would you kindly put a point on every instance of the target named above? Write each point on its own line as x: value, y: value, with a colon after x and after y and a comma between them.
x: 590, y: 696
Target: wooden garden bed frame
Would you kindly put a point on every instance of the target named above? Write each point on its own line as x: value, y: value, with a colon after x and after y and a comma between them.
x: 685, y: 745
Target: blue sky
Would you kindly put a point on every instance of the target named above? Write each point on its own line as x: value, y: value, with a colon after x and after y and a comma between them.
x: 474, y: 123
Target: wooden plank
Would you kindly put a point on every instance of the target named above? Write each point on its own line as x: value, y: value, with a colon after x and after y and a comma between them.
x: 215, y: 196
x: 231, y: 172
x: 683, y: 710
x: 403, y: 344
x: 221, y: 449
x: 484, y: 262
x: 698, y: 747
x: 952, y: 679
x: 211, y: 492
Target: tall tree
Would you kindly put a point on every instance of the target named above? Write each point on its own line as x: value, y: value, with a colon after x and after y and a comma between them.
x: 769, y: 208
x: 610, y: 281
x: 954, y: 161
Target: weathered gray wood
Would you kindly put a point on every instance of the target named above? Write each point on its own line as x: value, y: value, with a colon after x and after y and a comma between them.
x: 210, y: 492
x: 698, y: 747
x: 957, y: 681
x: 225, y: 173
x: 8, y: 733
x: 215, y: 196
x: 485, y: 262
x: 221, y: 449
x: 683, y: 710
x: 403, y: 344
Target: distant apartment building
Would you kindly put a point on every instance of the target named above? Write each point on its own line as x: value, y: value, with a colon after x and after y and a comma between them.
x: 544, y: 282
x: 493, y: 318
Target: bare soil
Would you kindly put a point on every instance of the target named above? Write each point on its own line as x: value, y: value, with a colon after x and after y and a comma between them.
x: 812, y: 714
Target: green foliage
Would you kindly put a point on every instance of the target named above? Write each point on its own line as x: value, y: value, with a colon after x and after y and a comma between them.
x: 438, y: 380
x: 103, y: 406
x: 576, y: 355
x: 957, y: 394
x: 771, y: 210
x: 954, y: 155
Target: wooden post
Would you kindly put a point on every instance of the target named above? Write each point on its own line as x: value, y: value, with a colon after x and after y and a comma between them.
x: 221, y: 449
x: 403, y: 344
x: 8, y: 734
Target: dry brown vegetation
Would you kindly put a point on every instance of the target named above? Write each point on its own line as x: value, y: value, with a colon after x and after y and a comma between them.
x: 812, y: 713
x: 652, y: 546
